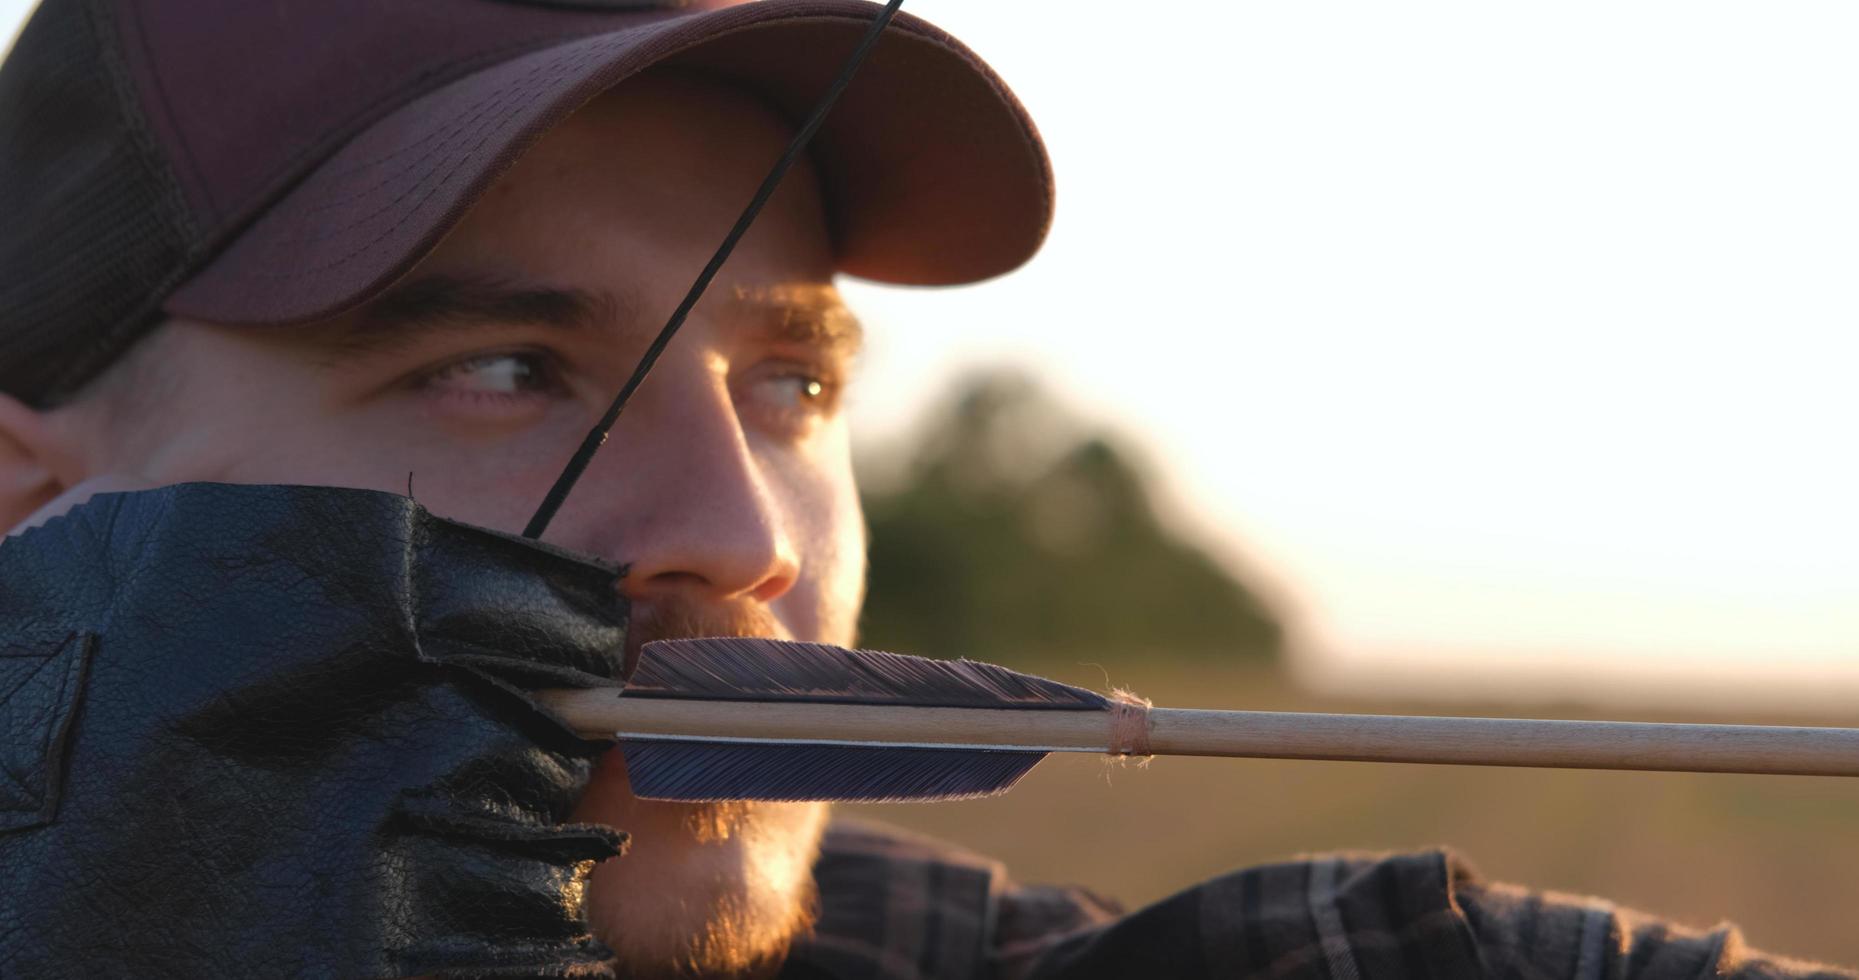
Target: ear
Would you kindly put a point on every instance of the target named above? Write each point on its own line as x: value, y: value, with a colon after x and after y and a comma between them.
x: 29, y: 461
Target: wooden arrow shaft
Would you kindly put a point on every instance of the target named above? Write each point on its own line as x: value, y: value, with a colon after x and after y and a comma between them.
x: 1248, y: 734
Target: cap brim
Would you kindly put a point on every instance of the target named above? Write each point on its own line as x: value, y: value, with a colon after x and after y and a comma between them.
x: 931, y: 170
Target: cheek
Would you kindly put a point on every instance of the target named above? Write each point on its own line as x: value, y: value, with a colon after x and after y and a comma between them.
x: 829, y: 535
x: 491, y: 483
x: 842, y: 573
x: 242, y: 442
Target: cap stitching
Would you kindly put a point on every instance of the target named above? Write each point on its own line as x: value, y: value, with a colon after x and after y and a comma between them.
x: 297, y: 272
x: 923, y: 33
x: 440, y: 75
x: 444, y: 177
x: 502, y: 99
x: 287, y: 172
x: 400, y: 151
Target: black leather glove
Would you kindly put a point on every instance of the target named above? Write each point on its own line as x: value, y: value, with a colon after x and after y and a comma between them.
x: 282, y: 731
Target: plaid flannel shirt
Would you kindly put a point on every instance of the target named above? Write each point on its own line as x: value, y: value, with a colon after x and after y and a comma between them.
x: 898, y: 907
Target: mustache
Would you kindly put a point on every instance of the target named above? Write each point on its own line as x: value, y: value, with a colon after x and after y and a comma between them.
x: 680, y: 618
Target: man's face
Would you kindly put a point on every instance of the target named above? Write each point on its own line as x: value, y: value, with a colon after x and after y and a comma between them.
x: 726, y: 486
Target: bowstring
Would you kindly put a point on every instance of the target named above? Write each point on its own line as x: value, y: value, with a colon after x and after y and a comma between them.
x: 597, y: 436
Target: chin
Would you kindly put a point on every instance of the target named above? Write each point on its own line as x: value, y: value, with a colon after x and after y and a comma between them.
x: 704, y: 889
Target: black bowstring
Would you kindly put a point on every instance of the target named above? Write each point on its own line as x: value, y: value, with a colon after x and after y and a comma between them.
x: 597, y: 436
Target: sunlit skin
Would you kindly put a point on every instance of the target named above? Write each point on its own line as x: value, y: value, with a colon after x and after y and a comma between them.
x: 727, y: 485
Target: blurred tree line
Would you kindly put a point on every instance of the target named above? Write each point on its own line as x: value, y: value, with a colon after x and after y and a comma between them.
x: 1012, y: 532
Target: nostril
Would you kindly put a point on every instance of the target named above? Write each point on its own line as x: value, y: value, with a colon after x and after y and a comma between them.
x: 772, y: 587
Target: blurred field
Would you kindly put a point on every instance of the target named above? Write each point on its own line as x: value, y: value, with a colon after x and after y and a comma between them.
x: 1777, y: 855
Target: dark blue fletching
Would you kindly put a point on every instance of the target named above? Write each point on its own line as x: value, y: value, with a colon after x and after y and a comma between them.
x: 753, y: 669
x: 714, y: 771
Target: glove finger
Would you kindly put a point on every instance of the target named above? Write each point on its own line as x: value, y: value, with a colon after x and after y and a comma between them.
x: 528, y: 612
x: 489, y: 754
x: 478, y: 907
x: 562, y: 844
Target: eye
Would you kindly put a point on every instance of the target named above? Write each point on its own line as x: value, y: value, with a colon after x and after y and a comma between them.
x: 799, y: 390
x: 789, y: 398
x: 505, y: 374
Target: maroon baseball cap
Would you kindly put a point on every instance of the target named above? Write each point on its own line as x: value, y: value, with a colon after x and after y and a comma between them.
x: 275, y: 162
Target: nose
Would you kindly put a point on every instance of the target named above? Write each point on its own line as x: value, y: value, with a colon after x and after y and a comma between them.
x: 690, y: 511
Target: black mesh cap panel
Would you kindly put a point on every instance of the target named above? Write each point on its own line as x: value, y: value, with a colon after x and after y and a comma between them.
x: 92, y: 230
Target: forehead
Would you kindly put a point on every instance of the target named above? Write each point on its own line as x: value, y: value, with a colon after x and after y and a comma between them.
x: 663, y: 161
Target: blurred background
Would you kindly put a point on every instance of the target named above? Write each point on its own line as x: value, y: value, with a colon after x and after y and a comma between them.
x: 1408, y: 358
x: 1445, y: 357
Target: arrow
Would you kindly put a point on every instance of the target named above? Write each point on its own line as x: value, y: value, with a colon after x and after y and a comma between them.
x: 756, y: 719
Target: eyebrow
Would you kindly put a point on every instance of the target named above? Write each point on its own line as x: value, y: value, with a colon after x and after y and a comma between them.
x: 804, y: 313
x: 442, y: 302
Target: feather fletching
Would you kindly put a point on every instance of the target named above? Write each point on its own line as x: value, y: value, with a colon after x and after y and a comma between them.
x: 713, y: 771
x: 754, y: 669
x: 750, y: 669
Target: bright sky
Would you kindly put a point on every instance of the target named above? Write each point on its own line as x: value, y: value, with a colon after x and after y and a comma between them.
x: 1518, y: 333
x: 1504, y: 337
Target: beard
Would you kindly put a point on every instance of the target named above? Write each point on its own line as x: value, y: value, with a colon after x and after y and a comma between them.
x: 704, y: 889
